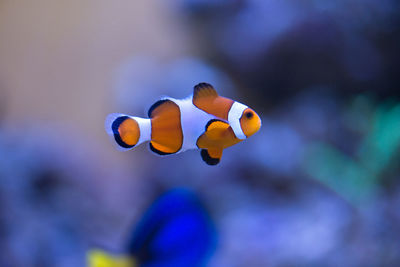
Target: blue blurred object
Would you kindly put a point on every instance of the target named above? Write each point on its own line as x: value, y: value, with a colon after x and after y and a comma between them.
x: 175, y: 231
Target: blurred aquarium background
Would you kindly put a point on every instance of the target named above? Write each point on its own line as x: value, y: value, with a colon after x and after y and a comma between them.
x: 318, y: 185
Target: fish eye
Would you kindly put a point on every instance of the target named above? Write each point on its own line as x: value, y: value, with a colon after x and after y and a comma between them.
x: 249, y: 114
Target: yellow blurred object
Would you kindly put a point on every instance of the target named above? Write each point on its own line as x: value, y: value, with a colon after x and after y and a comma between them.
x: 99, y: 258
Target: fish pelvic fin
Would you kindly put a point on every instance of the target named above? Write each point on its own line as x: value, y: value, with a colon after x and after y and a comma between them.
x: 211, y: 156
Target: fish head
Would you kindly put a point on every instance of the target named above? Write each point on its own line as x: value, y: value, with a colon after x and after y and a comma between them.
x: 250, y: 122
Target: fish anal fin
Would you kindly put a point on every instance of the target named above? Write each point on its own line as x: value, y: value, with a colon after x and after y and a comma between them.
x: 211, y: 156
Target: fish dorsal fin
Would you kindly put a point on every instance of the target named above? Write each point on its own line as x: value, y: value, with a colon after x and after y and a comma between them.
x: 204, y: 90
x: 211, y: 156
x: 215, y: 129
x: 206, y: 98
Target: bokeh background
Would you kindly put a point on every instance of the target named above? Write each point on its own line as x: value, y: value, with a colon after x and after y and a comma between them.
x: 317, y: 186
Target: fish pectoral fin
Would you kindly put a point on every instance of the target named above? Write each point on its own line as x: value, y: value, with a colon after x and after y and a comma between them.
x: 99, y: 258
x: 215, y: 129
x: 211, y: 156
x: 216, y: 134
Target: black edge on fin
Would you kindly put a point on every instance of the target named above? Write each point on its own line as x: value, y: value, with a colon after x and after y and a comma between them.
x: 159, y: 152
x: 155, y: 105
x: 211, y: 122
x: 114, y: 126
x: 206, y: 157
x: 204, y: 86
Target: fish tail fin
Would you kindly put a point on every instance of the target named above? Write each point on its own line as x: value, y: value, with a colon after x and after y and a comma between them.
x: 99, y: 258
x: 128, y: 131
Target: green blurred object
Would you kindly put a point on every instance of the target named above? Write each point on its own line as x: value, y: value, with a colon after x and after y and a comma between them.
x: 356, y: 178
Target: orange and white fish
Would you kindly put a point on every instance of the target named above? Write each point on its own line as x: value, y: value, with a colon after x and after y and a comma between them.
x: 203, y: 121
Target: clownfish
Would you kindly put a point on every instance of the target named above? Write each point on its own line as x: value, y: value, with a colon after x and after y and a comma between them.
x: 203, y: 121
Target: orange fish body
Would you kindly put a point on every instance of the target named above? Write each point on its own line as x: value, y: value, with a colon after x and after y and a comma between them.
x: 204, y: 120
